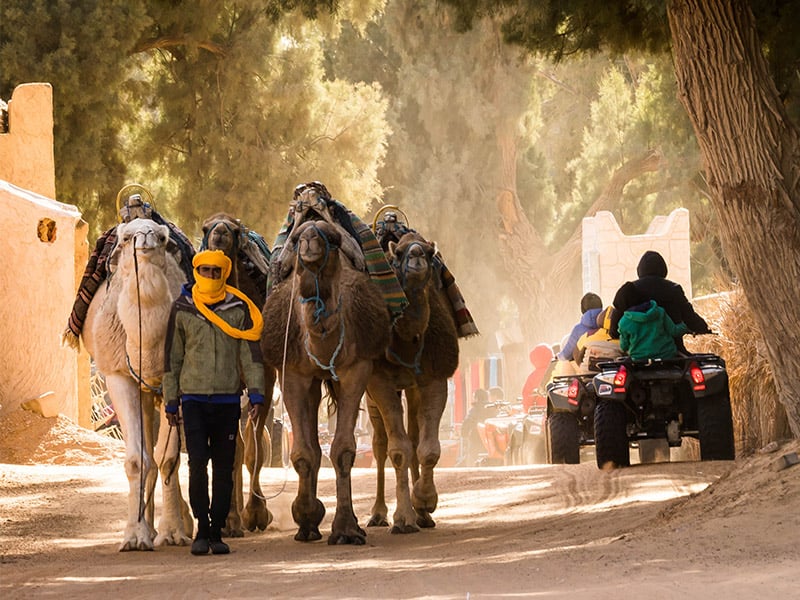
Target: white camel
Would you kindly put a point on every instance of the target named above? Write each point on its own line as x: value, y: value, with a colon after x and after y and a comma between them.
x: 124, y: 332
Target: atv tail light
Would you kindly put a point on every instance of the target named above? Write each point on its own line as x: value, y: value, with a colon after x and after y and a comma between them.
x: 573, y: 391
x: 698, y: 379
x: 620, y: 378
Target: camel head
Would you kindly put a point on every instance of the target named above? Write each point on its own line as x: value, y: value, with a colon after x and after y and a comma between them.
x: 138, y: 242
x: 314, y: 241
x: 222, y: 231
x: 316, y: 248
x: 142, y: 264
x: 412, y: 261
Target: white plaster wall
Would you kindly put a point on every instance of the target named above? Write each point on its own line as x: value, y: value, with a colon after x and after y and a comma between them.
x: 38, y: 286
x: 610, y: 257
x: 26, y: 151
x: 38, y: 278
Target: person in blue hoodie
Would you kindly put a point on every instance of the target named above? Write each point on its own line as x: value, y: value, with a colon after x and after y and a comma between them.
x: 591, y: 306
x: 646, y: 331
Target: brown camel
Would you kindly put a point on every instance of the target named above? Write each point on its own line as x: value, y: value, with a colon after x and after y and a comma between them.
x: 124, y: 332
x: 338, y: 324
x: 422, y: 355
x: 223, y: 231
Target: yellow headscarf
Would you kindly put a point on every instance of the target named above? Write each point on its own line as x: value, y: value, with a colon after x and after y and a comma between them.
x: 206, y: 291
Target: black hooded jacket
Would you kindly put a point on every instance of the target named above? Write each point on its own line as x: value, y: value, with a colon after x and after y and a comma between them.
x: 654, y: 285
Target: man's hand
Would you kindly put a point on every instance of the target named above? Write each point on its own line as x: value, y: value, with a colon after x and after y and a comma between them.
x: 173, y: 419
x: 255, y: 412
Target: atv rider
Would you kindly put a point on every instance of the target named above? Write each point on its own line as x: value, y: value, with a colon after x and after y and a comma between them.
x: 645, y: 331
x: 653, y: 284
x: 591, y: 306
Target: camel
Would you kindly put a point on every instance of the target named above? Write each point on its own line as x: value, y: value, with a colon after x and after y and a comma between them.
x: 222, y: 231
x: 124, y: 333
x: 326, y: 322
x: 422, y: 355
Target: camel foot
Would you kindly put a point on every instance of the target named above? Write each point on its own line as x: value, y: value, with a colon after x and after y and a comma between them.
x: 173, y: 538
x: 132, y: 545
x: 404, y: 529
x: 256, y: 515
x: 138, y: 537
x: 231, y: 532
x: 308, y: 535
x: 354, y: 539
x: 378, y: 521
x: 425, y: 520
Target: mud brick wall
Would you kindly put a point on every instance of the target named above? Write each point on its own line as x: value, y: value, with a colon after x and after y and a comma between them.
x: 44, y: 251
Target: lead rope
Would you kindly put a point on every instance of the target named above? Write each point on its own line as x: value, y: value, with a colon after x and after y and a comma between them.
x: 283, y: 406
x: 142, y: 502
x: 141, y: 406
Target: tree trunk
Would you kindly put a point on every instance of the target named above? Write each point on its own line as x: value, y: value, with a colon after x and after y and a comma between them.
x: 752, y: 157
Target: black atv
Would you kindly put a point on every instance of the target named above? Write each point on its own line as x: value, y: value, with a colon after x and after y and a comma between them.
x: 662, y: 399
x: 570, y: 417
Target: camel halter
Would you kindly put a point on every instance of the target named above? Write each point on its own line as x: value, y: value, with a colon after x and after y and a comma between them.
x: 321, y: 310
x: 401, y: 268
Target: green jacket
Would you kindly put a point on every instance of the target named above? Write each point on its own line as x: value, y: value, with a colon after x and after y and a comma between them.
x: 201, y: 359
x: 649, y: 333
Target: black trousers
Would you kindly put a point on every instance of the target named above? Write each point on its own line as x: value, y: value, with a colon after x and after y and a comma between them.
x: 211, y: 431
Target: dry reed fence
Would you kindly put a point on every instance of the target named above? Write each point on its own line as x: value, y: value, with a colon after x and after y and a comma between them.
x: 758, y: 416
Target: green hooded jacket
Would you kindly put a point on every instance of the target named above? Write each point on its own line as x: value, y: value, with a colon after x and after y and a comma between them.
x: 646, y: 331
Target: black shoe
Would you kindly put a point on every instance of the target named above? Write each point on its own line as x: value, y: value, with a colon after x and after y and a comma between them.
x: 219, y: 547
x: 200, y: 546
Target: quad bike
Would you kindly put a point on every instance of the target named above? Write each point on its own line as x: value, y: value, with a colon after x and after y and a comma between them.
x: 569, y: 420
x: 570, y: 405
x: 528, y: 438
x: 495, y: 433
x: 662, y: 399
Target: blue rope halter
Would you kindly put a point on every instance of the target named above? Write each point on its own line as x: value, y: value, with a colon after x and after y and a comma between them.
x: 330, y: 367
x: 320, y: 309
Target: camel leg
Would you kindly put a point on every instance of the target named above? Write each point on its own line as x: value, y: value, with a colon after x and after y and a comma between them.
x: 399, y: 449
x: 349, y: 389
x: 176, y: 523
x: 134, y: 410
x: 430, y: 402
x: 256, y: 452
x: 233, y: 522
x: 380, y: 442
x: 302, y: 397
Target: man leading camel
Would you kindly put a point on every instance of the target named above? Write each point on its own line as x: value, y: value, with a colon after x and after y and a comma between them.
x: 212, y: 337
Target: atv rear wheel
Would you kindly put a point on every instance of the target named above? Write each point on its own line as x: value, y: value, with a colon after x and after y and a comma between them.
x: 715, y: 424
x: 563, y: 439
x: 610, y: 435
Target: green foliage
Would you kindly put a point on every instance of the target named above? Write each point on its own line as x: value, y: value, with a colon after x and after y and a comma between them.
x: 81, y: 48
x: 561, y: 28
x: 213, y: 105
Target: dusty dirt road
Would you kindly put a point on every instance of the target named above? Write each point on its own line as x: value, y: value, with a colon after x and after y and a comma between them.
x: 669, y: 530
